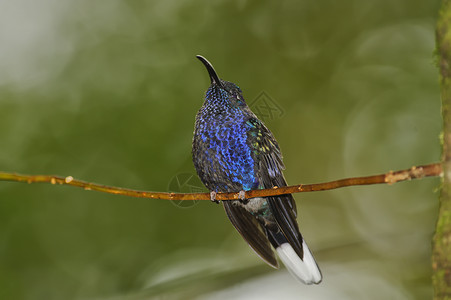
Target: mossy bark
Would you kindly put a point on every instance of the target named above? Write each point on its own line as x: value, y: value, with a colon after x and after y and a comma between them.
x: 441, y: 248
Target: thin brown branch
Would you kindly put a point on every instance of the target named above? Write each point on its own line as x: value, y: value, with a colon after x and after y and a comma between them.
x: 388, y: 178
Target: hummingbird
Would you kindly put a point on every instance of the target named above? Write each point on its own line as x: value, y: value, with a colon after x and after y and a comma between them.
x: 233, y: 151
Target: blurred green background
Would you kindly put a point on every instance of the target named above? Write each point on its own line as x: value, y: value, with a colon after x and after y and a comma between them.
x: 107, y: 91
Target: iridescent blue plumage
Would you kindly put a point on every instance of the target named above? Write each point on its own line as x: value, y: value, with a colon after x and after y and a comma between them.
x: 220, y: 127
x: 234, y: 151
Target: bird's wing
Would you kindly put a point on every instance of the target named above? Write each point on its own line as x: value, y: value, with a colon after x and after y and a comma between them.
x: 266, y: 152
x: 250, y: 229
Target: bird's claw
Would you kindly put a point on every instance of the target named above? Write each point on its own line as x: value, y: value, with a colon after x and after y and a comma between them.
x: 242, y: 197
x: 213, y: 197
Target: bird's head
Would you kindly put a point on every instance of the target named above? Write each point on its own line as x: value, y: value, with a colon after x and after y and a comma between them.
x: 225, y: 91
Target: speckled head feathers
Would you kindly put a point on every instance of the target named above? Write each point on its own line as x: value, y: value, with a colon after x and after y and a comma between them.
x: 225, y: 91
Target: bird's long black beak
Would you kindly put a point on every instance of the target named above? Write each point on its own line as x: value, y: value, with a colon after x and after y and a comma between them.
x: 211, y: 71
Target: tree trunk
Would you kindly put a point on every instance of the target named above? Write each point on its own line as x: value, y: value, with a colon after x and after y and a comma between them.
x: 441, y: 245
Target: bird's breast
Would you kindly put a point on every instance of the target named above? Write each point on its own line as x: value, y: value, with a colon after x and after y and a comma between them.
x: 225, y: 153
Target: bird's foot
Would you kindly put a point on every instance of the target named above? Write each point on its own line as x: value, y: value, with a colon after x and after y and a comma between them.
x: 213, y: 197
x: 242, y: 197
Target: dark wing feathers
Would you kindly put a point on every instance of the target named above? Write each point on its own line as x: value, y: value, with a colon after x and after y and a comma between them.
x: 267, y: 153
x: 286, y: 220
x: 249, y: 228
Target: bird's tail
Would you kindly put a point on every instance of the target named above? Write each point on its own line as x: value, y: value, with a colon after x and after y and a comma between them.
x: 303, y: 268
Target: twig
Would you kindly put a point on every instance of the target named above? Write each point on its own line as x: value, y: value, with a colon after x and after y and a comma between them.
x: 388, y: 178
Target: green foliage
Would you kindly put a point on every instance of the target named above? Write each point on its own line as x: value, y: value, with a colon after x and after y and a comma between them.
x: 107, y: 92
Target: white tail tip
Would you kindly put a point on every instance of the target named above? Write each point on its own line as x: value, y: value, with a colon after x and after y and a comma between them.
x: 305, y: 270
